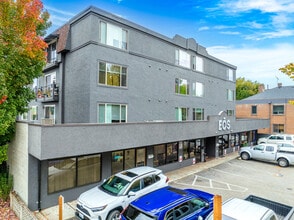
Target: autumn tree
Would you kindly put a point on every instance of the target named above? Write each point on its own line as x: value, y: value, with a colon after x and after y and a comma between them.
x: 22, y: 57
x: 245, y: 88
x: 288, y: 70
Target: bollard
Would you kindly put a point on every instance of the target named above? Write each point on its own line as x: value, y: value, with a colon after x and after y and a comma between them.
x: 217, y: 207
x: 61, y: 206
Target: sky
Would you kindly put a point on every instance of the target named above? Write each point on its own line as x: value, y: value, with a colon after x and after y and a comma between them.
x: 256, y: 36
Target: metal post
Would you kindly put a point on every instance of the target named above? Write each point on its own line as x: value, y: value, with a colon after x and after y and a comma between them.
x: 61, y: 206
x: 217, y: 207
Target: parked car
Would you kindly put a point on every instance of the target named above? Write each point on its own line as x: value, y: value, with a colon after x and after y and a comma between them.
x: 170, y: 203
x: 106, y: 201
x: 284, y: 156
x: 254, y: 208
x: 276, y: 138
x: 286, y: 144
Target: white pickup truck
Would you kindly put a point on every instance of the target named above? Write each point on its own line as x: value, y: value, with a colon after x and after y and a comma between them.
x: 284, y: 156
x: 254, y: 208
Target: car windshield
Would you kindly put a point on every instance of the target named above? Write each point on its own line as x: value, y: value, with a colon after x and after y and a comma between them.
x: 131, y: 213
x: 115, y: 185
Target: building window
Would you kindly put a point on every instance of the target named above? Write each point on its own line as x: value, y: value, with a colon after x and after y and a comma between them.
x: 278, y: 128
x: 34, y: 113
x: 117, y: 160
x: 89, y: 169
x: 49, y: 113
x: 230, y: 112
x: 181, y: 86
x: 72, y: 172
x: 112, y: 75
x: 198, y: 89
x: 140, y: 157
x: 51, y: 53
x: 50, y: 81
x: 253, y: 110
x: 172, y: 152
x: 182, y: 114
x: 230, y: 75
x: 112, y: 113
x: 199, y: 64
x: 230, y: 95
x: 198, y: 114
x: 61, y: 174
x: 129, y: 161
x: 159, y: 155
x: 113, y: 36
x: 182, y: 58
x: 278, y: 109
x: 188, y: 149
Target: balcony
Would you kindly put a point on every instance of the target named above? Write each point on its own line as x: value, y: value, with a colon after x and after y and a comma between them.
x: 48, y: 93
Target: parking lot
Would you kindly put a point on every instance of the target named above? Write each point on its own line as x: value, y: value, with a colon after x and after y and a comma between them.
x: 239, y: 178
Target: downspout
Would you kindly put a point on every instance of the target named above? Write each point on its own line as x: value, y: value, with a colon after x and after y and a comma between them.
x: 39, y: 185
x: 62, y: 87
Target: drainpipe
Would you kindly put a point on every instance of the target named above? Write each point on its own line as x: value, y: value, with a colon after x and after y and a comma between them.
x: 62, y: 87
x: 39, y: 185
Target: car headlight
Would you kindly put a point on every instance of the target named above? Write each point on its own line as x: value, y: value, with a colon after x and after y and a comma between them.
x: 98, y: 209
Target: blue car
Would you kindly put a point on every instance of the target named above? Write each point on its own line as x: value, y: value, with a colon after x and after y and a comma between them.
x: 170, y: 203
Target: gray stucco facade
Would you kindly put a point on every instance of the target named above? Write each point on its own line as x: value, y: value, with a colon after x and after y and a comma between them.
x: 149, y: 96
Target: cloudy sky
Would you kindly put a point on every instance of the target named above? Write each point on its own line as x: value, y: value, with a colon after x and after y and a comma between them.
x: 257, y: 36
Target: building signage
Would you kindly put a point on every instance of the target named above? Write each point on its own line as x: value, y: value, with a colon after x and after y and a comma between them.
x: 224, y: 124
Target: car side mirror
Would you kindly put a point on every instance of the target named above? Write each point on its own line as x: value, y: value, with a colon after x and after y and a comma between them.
x: 131, y: 193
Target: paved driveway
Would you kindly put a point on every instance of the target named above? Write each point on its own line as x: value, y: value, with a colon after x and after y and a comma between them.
x: 239, y: 178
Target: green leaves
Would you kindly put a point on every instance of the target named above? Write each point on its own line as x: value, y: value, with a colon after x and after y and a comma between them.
x: 245, y: 88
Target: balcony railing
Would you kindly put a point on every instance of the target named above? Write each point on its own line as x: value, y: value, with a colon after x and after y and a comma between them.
x: 48, y: 93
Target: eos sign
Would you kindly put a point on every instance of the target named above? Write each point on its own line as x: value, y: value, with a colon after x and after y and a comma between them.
x: 224, y: 124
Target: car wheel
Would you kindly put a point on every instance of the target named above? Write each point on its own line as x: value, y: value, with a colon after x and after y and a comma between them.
x: 245, y: 156
x: 283, y: 162
x: 114, y: 215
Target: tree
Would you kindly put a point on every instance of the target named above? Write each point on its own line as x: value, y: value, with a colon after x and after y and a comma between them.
x: 245, y: 88
x: 288, y: 70
x: 22, y: 58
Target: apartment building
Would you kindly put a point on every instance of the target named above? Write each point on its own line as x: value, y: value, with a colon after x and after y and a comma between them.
x: 275, y: 104
x: 116, y: 95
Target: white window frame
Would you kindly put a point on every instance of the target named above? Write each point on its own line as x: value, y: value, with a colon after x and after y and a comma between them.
x: 198, y: 89
x: 183, y: 58
x: 107, y: 114
x: 199, y: 64
x: 230, y: 74
x: 230, y: 95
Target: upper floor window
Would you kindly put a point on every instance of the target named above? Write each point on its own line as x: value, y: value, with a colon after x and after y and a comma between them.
x: 182, y: 58
x: 278, y: 109
x: 113, y: 35
x: 278, y: 128
x: 51, y: 53
x: 182, y: 114
x: 230, y: 112
x: 198, y: 89
x: 198, y: 114
x: 197, y: 63
x: 112, y: 113
x: 253, y: 110
x: 34, y: 113
x: 112, y: 75
x: 230, y: 95
x: 230, y: 75
x: 181, y: 86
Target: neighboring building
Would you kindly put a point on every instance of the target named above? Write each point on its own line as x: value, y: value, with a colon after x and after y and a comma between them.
x: 116, y: 95
x: 276, y: 104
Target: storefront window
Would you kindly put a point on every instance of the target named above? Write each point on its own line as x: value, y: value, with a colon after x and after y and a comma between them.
x: 159, y: 155
x: 141, y: 157
x: 188, y: 149
x: 129, y: 158
x: 61, y: 174
x: 117, y: 161
x: 89, y: 169
x: 172, y: 153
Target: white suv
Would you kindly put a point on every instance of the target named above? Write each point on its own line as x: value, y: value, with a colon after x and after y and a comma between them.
x: 276, y: 139
x: 105, y: 202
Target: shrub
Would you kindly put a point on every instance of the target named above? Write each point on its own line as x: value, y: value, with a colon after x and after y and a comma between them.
x: 6, y: 183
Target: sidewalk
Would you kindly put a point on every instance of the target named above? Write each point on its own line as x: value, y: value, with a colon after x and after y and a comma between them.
x: 69, y: 207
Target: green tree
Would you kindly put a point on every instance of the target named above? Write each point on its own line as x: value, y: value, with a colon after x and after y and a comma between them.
x: 288, y: 70
x: 22, y: 58
x: 245, y: 88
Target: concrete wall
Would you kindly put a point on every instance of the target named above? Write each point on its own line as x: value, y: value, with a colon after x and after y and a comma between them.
x: 18, y: 161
